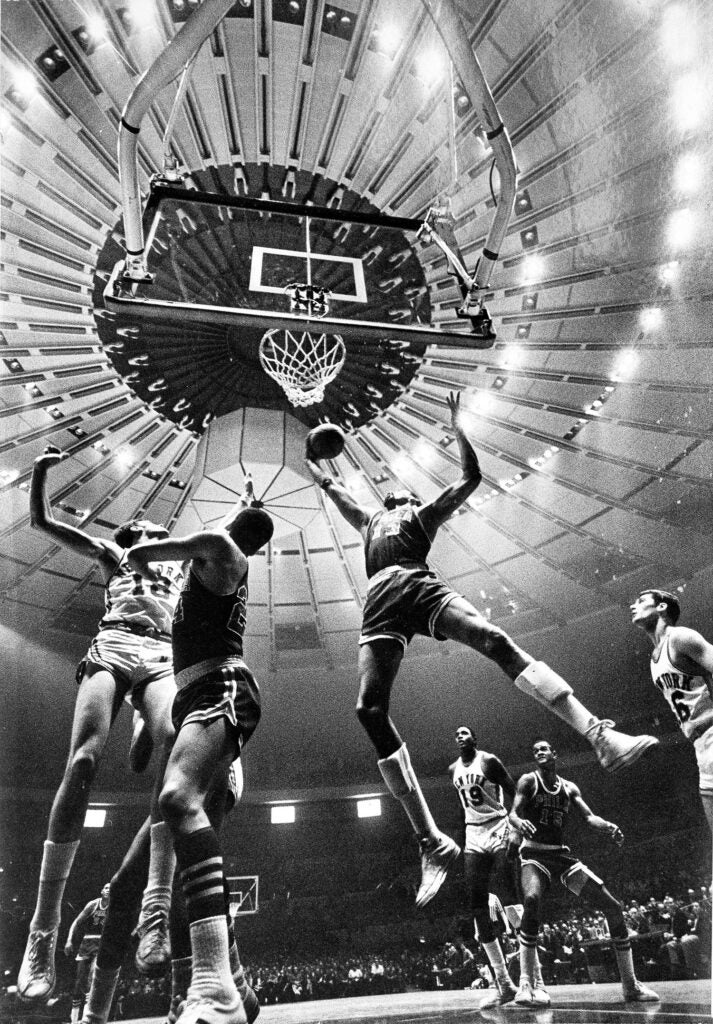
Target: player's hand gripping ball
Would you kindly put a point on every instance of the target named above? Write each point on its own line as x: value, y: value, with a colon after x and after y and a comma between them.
x: 325, y: 442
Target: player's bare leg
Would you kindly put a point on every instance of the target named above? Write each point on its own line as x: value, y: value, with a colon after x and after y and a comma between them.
x: 460, y: 621
x: 153, y: 952
x: 379, y: 662
x: 202, y: 752
x: 96, y: 707
x: 478, y: 869
x: 599, y: 896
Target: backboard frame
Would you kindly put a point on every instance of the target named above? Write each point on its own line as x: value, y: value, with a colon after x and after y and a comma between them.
x: 122, y: 294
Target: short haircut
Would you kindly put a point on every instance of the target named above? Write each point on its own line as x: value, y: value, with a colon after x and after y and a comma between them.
x: 394, y: 498
x: 252, y: 524
x: 542, y: 739
x: 124, y: 534
x: 673, y: 608
x: 470, y: 730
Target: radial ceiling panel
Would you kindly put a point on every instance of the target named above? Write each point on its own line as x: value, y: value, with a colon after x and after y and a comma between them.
x: 591, y: 414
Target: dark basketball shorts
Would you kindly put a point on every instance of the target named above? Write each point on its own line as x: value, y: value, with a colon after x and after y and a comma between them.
x: 219, y: 688
x: 133, y: 660
x: 401, y: 602
x: 559, y: 862
x: 88, y: 947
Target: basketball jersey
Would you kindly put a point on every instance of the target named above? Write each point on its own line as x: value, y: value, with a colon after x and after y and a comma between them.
x: 548, y: 811
x: 395, y: 537
x: 207, y: 625
x: 482, y: 799
x: 131, y: 600
x: 689, y: 697
x: 97, y: 917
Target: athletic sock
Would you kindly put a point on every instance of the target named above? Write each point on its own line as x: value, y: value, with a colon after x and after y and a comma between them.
x: 497, y: 962
x: 162, y: 864
x: 574, y: 713
x: 202, y: 878
x: 400, y: 778
x: 528, y: 958
x: 74, y: 1013
x: 624, y: 961
x: 101, y: 993
x: 57, y: 860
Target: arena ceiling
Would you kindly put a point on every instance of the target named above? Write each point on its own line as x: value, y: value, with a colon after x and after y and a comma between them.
x: 591, y: 413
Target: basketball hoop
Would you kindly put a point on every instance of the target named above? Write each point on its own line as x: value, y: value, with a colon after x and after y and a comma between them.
x: 302, y: 363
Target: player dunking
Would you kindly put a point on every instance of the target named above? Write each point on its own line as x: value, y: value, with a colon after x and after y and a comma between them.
x: 130, y: 657
x: 540, y: 812
x: 83, y: 939
x: 404, y: 598
x: 682, y: 669
x: 216, y: 710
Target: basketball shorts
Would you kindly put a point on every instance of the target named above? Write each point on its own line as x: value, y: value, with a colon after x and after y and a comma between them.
x: 133, y: 660
x: 401, y: 602
x: 218, y: 688
x: 88, y: 947
x: 492, y: 837
x: 703, y: 747
x: 559, y: 862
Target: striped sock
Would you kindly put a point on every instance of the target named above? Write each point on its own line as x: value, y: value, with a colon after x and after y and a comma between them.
x: 198, y: 855
x: 528, y: 958
x: 625, y: 961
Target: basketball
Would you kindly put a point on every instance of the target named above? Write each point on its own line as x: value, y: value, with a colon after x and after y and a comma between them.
x: 325, y: 442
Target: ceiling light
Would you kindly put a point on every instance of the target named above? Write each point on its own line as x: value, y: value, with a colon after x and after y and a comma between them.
x: 387, y: 38
x: 283, y: 814
x: 529, y: 237
x: 369, y: 808
x: 678, y: 34
x: 680, y: 228
x: 625, y: 364
x: 430, y: 66
x: 523, y: 203
x: 650, y: 318
x: 669, y: 272
x: 532, y: 269
x: 688, y: 175
x: 401, y: 463
x: 23, y: 88
x: 689, y: 101
x: 529, y: 302
x: 481, y: 402
x: 95, y: 817
x: 124, y: 458
x: 8, y: 476
x: 523, y: 331
x: 514, y: 355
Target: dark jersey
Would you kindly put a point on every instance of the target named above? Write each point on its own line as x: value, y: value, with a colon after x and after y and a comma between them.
x: 395, y: 537
x: 90, y: 922
x: 548, y: 810
x: 207, y: 625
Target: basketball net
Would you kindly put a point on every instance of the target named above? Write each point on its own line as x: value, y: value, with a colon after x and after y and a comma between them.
x: 302, y: 363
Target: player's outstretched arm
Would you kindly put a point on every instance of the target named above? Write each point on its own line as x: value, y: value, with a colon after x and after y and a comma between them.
x: 608, y: 828
x: 77, y: 928
x: 522, y: 825
x: 690, y: 651
x: 217, y: 559
x: 436, y: 512
x: 355, y: 514
x: 246, y: 500
x: 70, y: 537
x: 171, y: 549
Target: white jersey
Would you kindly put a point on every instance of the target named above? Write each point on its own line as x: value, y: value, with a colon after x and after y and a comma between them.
x: 482, y: 800
x: 131, y: 600
x: 689, y: 697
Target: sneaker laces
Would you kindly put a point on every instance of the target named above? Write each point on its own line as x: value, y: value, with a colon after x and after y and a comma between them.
x: 600, y: 725
x: 154, y: 922
x: 38, y: 953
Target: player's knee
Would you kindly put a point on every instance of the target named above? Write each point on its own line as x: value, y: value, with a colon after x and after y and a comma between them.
x: 369, y: 713
x: 173, y: 802
x: 84, y: 763
x: 496, y: 644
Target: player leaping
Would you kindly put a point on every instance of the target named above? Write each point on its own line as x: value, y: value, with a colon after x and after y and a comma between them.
x: 405, y: 597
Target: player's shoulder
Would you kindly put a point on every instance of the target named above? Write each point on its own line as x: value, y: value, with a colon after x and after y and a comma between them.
x: 453, y: 765
x: 570, y: 788
x: 527, y: 781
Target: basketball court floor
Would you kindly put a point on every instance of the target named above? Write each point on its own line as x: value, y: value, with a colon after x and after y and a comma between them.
x: 682, y: 1002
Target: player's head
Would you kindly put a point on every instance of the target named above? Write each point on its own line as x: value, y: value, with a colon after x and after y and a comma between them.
x: 137, y: 530
x: 251, y: 529
x: 465, y: 738
x: 395, y: 498
x: 652, y: 603
x: 106, y: 889
x: 543, y: 753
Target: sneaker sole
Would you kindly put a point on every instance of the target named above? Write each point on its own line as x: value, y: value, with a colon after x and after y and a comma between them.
x: 38, y: 999
x: 439, y: 879
x: 644, y: 746
x: 155, y: 970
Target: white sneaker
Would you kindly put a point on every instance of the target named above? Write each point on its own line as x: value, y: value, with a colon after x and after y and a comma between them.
x: 540, y: 995
x: 524, y: 995
x: 208, y: 1011
x: 503, y: 994
x: 614, y: 749
x: 437, y: 855
x: 153, y: 953
x: 36, y: 978
x: 640, y: 994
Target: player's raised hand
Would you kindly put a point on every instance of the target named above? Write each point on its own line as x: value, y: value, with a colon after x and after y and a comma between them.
x: 454, y: 407
x: 49, y: 456
x: 615, y: 834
